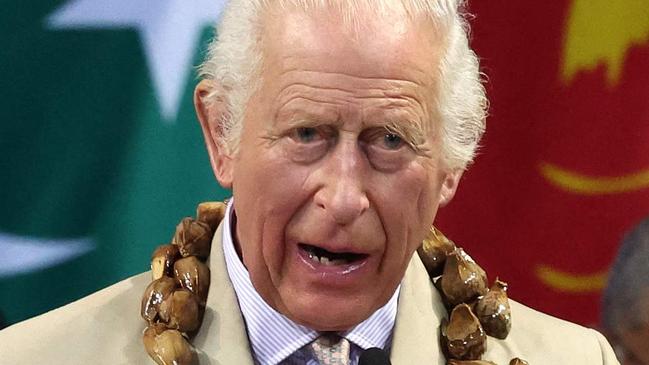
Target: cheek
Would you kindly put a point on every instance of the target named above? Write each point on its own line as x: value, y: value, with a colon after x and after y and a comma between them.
x: 431, y: 179
x: 410, y: 201
x: 413, y: 194
x: 268, y: 192
x: 267, y: 177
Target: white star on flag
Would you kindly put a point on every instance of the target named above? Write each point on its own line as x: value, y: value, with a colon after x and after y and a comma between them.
x: 23, y: 254
x: 168, y: 29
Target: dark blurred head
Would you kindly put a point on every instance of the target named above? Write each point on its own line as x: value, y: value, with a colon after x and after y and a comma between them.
x: 625, y: 303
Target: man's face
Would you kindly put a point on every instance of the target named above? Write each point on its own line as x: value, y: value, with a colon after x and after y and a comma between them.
x: 331, y: 201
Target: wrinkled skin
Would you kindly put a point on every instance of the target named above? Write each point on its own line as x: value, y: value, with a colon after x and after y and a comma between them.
x: 317, y: 166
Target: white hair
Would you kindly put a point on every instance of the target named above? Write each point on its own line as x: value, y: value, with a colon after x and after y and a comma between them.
x: 234, y: 60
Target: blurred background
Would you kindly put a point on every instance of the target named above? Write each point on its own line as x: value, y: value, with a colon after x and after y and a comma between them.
x: 102, y: 154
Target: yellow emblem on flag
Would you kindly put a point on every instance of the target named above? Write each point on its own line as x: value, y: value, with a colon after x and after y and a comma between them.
x: 577, y: 183
x: 571, y: 283
x: 602, y: 31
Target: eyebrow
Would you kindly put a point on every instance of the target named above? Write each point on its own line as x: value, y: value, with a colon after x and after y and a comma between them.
x: 311, y: 121
x: 303, y: 118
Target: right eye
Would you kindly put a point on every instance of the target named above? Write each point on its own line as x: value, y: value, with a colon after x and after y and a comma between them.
x: 308, y: 144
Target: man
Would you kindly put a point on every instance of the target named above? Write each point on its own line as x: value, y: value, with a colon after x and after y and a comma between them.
x: 625, y: 303
x: 341, y: 127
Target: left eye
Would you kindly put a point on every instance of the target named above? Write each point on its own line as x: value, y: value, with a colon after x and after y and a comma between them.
x: 305, y: 134
x: 392, y: 141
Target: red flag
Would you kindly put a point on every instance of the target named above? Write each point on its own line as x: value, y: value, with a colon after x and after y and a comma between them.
x: 564, y: 171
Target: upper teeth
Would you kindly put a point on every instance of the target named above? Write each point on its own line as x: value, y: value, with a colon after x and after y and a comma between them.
x: 325, y: 260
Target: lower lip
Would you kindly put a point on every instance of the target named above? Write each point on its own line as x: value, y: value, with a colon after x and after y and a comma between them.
x: 337, y: 272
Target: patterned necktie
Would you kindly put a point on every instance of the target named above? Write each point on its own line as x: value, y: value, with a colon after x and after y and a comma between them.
x: 331, y: 350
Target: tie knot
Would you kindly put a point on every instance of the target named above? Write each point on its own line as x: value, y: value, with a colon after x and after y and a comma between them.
x: 331, y: 350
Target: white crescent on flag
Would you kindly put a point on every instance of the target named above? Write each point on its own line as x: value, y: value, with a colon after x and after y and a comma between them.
x: 21, y: 254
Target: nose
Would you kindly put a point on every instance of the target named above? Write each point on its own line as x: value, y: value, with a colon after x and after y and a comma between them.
x: 342, y: 188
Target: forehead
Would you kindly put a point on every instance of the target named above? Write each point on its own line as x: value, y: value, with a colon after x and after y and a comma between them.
x: 364, y: 44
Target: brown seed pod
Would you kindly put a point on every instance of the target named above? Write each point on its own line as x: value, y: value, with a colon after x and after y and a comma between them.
x: 193, y: 275
x: 167, y: 346
x: 463, y: 280
x: 193, y: 238
x: 469, y: 362
x: 211, y: 213
x: 494, y: 312
x: 154, y: 295
x: 433, y: 251
x: 162, y: 260
x: 438, y: 285
x: 181, y: 311
x: 517, y: 361
x: 462, y: 335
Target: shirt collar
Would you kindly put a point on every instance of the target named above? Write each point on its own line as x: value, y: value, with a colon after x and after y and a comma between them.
x: 273, y: 336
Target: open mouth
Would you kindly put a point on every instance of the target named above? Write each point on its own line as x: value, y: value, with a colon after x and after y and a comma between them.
x: 324, y: 257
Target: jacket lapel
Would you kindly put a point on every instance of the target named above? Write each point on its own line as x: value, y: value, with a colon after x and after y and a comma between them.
x: 420, y: 312
x: 222, y: 338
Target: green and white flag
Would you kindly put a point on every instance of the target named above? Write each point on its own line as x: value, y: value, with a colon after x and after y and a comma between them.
x: 101, y: 151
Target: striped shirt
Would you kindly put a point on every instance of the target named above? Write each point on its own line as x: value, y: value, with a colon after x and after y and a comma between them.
x: 274, y: 338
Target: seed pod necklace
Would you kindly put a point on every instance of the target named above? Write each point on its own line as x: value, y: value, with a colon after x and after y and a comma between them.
x: 174, y: 303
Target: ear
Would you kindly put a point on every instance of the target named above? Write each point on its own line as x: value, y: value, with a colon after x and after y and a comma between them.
x: 210, y: 111
x: 449, y: 186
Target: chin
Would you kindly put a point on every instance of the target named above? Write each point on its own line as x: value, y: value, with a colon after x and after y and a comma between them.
x: 325, y: 314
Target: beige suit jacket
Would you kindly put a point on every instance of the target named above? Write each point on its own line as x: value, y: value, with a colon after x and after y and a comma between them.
x: 106, y: 328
